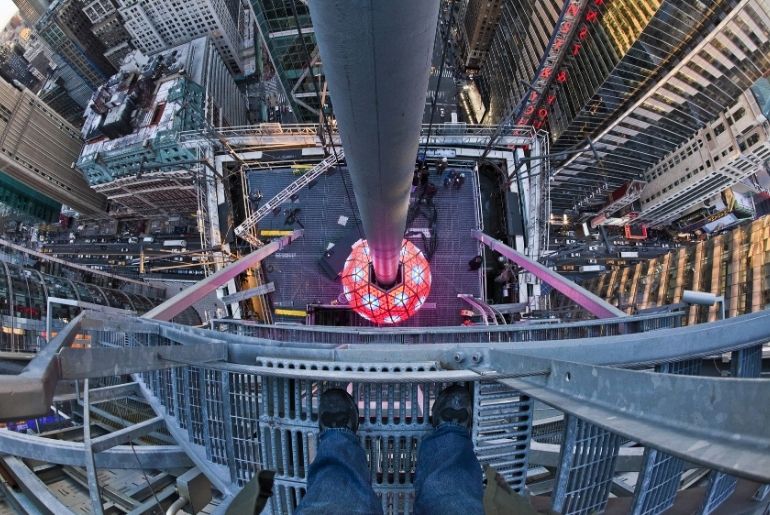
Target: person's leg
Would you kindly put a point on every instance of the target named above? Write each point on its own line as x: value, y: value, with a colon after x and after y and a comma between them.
x: 338, y: 479
x: 448, y: 477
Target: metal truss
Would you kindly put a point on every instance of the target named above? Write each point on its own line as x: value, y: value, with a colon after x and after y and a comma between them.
x: 244, y: 399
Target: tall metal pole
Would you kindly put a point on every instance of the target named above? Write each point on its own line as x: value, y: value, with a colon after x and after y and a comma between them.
x: 376, y: 56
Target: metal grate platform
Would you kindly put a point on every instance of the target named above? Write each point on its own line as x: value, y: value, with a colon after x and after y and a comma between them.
x: 297, y: 274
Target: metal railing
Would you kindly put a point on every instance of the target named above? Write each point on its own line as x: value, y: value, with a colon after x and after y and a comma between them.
x: 477, y: 334
x: 247, y: 399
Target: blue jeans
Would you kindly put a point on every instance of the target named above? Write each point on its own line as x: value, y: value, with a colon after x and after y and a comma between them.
x: 447, y: 477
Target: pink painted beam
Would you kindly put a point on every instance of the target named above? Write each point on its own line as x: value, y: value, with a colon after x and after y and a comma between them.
x: 579, y: 295
x: 186, y: 298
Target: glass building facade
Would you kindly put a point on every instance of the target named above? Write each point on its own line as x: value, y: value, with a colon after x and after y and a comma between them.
x: 287, y: 48
x: 686, y: 67
x: 735, y: 264
x: 522, y: 34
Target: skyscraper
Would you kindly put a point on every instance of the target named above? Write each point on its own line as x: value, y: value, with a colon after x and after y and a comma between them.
x: 67, y: 30
x: 38, y: 149
x: 108, y: 27
x: 661, y: 95
x: 157, y: 25
x: 31, y: 10
x: 518, y: 43
x: 481, y: 18
x: 291, y: 52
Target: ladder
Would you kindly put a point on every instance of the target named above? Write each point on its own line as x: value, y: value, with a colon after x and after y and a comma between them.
x: 244, y: 231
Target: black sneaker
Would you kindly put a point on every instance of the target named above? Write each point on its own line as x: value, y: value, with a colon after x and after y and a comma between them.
x: 453, y: 404
x: 337, y: 410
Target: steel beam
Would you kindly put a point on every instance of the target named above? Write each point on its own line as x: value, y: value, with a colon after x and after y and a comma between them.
x: 186, y: 298
x: 376, y: 58
x: 126, y: 434
x: 29, y: 394
x: 582, y: 297
x: 108, y: 362
x: 93, y: 481
x: 34, y: 488
x: 60, y: 452
x: 106, y: 393
x: 694, y: 418
x: 240, y: 296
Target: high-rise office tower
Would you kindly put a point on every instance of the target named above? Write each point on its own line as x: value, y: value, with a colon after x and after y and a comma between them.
x: 54, y: 93
x: 108, y: 27
x: 67, y: 30
x: 662, y: 94
x: 519, y: 41
x: 31, y: 10
x: 38, y: 149
x: 480, y: 22
x: 13, y: 67
x: 291, y: 52
x: 157, y: 25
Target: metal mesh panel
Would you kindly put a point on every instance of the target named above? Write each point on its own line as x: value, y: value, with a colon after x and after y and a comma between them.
x: 214, y: 417
x: 244, y: 425
x: 195, y: 411
x: 286, y: 497
x: 660, y: 476
x: 689, y: 367
x: 502, y: 428
x: 288, y: 435
x: 658, y: 482
x: 720, y: 487
x: 586, y: 466
x: 166, y: 391
x: 177, y: 376
x: 550, y: 431
x: 747, y: 362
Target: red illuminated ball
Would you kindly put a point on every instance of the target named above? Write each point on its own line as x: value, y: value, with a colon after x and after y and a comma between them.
x: 386, y: 306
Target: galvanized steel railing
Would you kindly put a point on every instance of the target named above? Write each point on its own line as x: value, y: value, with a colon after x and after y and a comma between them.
x: 477, y: 334
x: 258, y: 407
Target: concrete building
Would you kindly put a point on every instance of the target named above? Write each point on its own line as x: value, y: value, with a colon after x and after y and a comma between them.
x: 725, y: 152
x: 157, y: 25
x: 19, y: 202
x: 67, y: 30
x: 38, y: 148
x: 108, y: 27
x: 480, y: 20
x: 733, y: 265
x: 32, y: 10
x: 133, y: 122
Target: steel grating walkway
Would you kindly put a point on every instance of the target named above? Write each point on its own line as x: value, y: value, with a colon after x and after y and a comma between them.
x: 253, y: 403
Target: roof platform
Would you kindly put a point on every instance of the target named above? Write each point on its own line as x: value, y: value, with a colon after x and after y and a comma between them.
x: 329, y: 217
